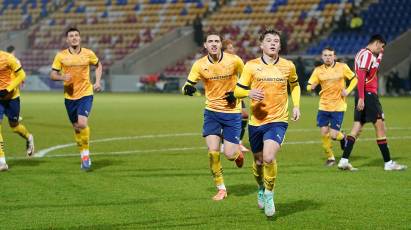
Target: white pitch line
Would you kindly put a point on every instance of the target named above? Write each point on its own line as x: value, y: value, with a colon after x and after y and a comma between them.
x: 194, y: 148
x: 43, y: 152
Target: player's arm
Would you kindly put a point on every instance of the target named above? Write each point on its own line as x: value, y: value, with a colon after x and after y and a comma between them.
x: 99, y: 73
x: 295, y: 92
x: 348, y: 74
x: 243, y: 89
x: 19, y: 74
x: 55, y: 73
x: 189, y: 86
x: 313, y: 81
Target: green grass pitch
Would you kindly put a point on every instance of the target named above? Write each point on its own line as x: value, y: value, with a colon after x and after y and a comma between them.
x: 150, y: 170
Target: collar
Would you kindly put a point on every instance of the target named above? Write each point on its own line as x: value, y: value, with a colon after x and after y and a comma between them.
x: 72, y: 53
x: 219, y: 60
x: 275, y: 62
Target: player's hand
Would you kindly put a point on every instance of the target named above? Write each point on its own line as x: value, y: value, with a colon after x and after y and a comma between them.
x: 256, y: 94
x: 344, y: 93
x: 4, y: 92
x: 360, y: 104
x: 230, y: 98
x: 97, y: 87
x: 189, y: 90
x: 66, y: 77
x: 296, y: 114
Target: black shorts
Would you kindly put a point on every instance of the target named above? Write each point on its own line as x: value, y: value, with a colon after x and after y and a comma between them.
x: 372, y: 110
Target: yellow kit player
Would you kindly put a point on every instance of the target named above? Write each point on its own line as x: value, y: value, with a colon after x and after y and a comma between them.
x: 11, y: 76
x: 72, y: 66
x: 264, y: 80
x: 219, y: 72
x: 331, y: 77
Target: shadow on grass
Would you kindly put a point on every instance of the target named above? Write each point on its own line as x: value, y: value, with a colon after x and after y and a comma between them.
x: 377, y: 162
x: 242, y: 189
x: 289, y: 208
x: 25, y: 162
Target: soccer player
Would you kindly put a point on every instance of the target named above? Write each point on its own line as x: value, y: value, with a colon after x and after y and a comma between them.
x: 228, y: 47
x: 11, y: 76
x: 264, y: 80
x: 219, y: 72
x: 367, y: 105
x: 331, y: 75
x: 72, y: 66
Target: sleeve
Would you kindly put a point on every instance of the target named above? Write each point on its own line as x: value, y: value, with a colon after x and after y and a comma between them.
x: 194, y: 76
x: 314, y: 80
x: 348, y: 74
x: 56, y: 63
x: 93, y: 58
x: 246, y: 77
x: 19, y: 73
x: 14, y: 64
x: 240, y: 65
x: 293, y: 78
x: 365, y: 61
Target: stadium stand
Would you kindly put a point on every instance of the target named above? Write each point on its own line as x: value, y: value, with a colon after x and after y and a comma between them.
x: 242, y: 21
x: 387, y: 17
x: 111, y: 28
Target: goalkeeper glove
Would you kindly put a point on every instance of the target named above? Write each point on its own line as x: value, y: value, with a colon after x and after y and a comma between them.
x: 3, y: 92
x: 189, y: 90
x: 230, y: 98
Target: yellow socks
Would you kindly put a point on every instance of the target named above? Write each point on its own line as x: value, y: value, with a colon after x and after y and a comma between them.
x: 258, y: 174
x: 327, y: 146
x: 2, y: 155
x: 215, y: 166
x: 21, y: 130
x: 270, y: 173
x: 340, y: 136
x: 82, y: 139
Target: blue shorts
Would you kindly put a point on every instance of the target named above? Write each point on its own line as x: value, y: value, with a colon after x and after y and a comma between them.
x: 332, y: 119
x: 272, y: 131
x: 77, y: 107
x: 226, y: 124
x: 11, y: 108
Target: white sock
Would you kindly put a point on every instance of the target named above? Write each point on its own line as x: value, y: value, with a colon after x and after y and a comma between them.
x: 2, y: 160
x: 344, y: 160
x: 85, y: 152
x: 221, y: 186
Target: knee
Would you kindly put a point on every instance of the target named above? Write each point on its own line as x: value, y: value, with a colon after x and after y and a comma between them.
x: 268, y: 159
x: 13, y: 124
x: 333, y: 136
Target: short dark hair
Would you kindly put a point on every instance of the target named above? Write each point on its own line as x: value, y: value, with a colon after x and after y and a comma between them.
x: 212, y: 33
x: 10, y: 49
x: 269, y: 31
x: 71, y: 29
x: 329, y: 48
x: 377, y: 37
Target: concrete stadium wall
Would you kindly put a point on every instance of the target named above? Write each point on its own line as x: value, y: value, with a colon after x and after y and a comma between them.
x: 396, y: 52
x: 17, y: 39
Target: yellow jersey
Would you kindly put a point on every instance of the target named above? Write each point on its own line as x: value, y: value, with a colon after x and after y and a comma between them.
x: 272, y: 79
x: 9, y: 65
x: 332, y: 82
x: 218, y: 78
x: 78, y: 66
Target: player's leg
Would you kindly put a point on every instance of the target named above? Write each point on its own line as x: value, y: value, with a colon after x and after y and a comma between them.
x: 231, y: 124
x: 323, y: 121
x: 211, y: 132
x: 12, y: 111
x: 355, y: 133
x: 256, y: 142
x: 335, y: 128
x: 273, y: 139
x: 3, y: 164
x: 380, y: 131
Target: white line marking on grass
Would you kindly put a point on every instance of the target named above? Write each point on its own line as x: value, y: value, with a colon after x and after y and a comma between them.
x: 43, y: 152
x: 128, y: 152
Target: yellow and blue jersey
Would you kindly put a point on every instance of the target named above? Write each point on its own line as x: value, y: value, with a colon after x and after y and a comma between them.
x: 9, y: 65
x: 272, y: 79
x: 332, y: 82
x: 78, y: 66
x: 219, y: 78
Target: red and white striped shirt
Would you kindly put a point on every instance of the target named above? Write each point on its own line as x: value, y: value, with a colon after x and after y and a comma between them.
x: 366, y: 67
